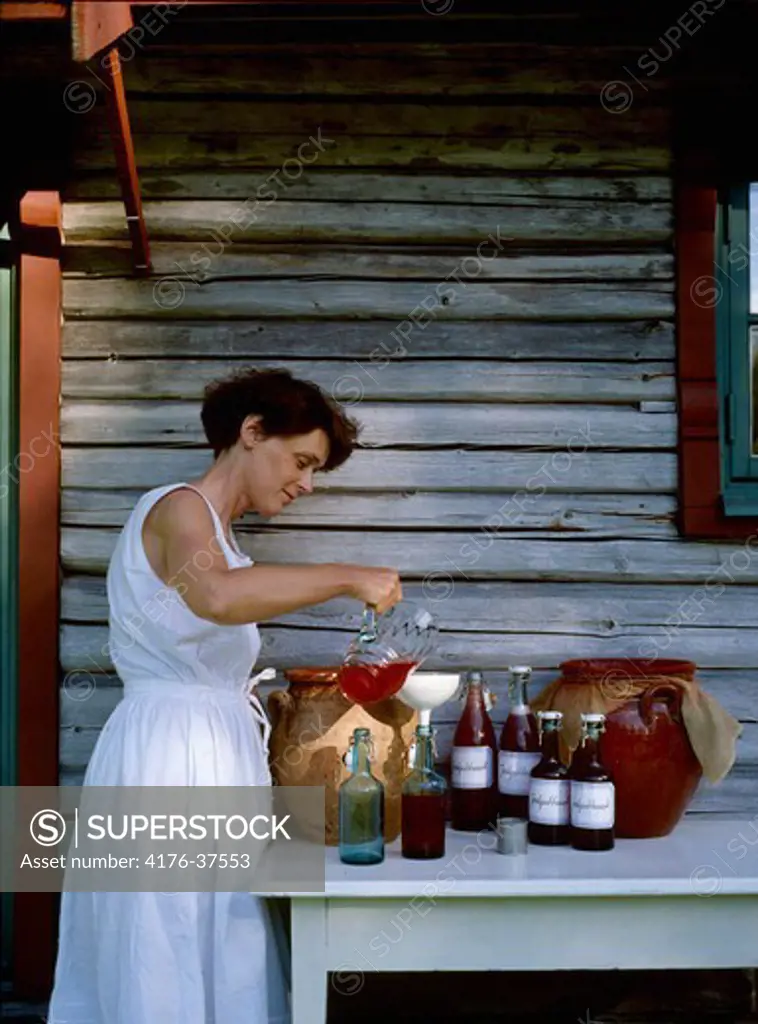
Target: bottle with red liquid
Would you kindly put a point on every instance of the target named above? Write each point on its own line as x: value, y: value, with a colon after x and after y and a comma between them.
x: 423, y: 802
x: 593, y: 794
x: 519, y: 748
x: 473, y: 793
x: 549, y: 788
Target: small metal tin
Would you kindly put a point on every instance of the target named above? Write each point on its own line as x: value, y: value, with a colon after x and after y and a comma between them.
x: 511, y: 836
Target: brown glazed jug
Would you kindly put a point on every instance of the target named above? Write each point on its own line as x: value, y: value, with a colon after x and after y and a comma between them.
x: 312, y: 724
x: 645, y: 745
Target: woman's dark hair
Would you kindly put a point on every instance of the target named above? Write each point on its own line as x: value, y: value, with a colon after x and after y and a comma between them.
x: 287, y: 406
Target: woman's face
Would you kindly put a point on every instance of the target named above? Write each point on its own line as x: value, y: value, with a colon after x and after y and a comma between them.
x: 279, y: 469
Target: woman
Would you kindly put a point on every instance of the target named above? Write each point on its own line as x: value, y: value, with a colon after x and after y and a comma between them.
x: 184, y: 600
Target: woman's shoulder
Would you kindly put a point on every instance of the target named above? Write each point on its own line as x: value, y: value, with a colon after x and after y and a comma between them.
x: 180, y: 501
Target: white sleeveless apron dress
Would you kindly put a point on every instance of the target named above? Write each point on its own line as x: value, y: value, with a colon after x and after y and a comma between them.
x: 187, y: 718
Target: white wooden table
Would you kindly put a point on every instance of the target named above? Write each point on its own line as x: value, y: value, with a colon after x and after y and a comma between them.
x: 689, y: 900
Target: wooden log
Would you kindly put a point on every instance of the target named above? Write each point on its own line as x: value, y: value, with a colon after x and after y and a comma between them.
x: 266, y: 214
x: 341, y: 118
x: 402, y: 69
x: 363, y: 300
x: 510, y: 151
x: 597, y: 609
x: 85, y: 648
x: 734, y: 796
x: 528, y: 474
x: 623, y: 341
x: 585, y: 25
x: 382, y: 379
x: 234, y: 28
x: 350, y: 69
x: 421, y: 425
x: 346, y: 186
x: 193, y: 265
x: 588, y: 515
x: 439, y: 559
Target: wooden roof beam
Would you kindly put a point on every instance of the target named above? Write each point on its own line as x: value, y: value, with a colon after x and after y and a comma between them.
x: 32, y: 10
x: 97, y: 25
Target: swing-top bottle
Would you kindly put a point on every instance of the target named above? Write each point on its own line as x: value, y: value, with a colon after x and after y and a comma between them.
x: 519, y: 748
x: 361, y: 806
x: 593, y: 794
x: 549, y: 788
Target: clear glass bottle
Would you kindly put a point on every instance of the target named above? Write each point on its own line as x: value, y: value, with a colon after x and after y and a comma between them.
x: 473, y: 795
x: 361, y: 806
x: 593, y: 794
x: 519, y: 748
x: 549, y: 788
x: 423, y: 802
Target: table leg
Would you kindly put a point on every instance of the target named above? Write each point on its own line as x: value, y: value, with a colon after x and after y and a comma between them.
x: 309, y: 976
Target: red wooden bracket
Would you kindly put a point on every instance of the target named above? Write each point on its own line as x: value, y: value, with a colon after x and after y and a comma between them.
x: 39, y: 237
x: 118, y: 116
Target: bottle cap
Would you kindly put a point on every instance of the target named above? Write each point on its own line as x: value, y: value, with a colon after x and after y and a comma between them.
x: 550, y: 716
x: 511, y: 836
x: 592, y: 716
x: 520, y: 669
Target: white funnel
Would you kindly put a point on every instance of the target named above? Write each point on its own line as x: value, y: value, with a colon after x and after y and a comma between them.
x: 424, y: 691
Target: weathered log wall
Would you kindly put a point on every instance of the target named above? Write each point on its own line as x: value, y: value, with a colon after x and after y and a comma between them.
x: 459, y: 240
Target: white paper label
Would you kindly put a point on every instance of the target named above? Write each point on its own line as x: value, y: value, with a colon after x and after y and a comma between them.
x: 593, y: 804
x: 514, y: 767
x: 471, y: 767
x: 549, y: 801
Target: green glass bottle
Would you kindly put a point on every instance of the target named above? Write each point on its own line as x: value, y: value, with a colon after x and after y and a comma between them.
x: 361, y: 806
x: 423, y: 802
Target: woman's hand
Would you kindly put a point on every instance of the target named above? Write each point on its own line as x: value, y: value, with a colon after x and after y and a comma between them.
x: 375, y: 586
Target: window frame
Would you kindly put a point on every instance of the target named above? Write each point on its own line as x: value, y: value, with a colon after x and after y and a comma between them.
x: 711, y: 506
x: 735, y: 323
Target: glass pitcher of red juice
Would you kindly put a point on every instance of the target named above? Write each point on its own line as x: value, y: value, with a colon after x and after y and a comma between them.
x: 386, y: 650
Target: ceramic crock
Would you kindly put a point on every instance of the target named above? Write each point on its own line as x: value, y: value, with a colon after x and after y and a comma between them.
x: 645, y: 744
x: 312, y: 723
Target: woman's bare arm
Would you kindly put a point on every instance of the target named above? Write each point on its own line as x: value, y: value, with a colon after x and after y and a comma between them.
x: 181, y: 545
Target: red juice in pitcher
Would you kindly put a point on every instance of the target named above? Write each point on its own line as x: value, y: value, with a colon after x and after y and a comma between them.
x: 368, y: 684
